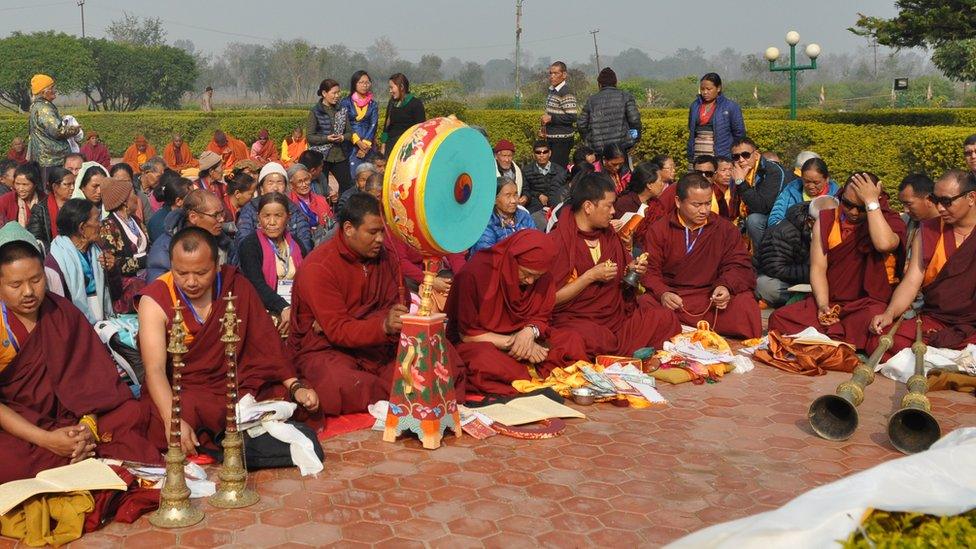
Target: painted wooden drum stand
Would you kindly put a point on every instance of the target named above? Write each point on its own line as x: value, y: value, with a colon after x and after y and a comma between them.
x: 438, y: 194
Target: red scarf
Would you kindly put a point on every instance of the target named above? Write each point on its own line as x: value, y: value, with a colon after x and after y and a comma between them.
x: 52, y: 209
x: 506, y: 304
x: 705, y: 113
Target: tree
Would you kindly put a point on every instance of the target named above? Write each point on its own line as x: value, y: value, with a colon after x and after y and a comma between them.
x: 946, y: 26
x: 131, y: 30
x: 293, y: 70
x: 382, y: 54
x: 65, y: 58
x: 471, y: 77
x: 428, y: 69
x: 128, y: 77
x: 632, y: 63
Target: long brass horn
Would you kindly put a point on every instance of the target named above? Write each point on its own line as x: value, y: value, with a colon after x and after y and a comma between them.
x: 834, y: 417
x: 913, y: 428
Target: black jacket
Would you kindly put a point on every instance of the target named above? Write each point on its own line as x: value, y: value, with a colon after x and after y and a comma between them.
x: 251, y: 257
x: 399, y: 118
x: 535, y: 184
x: 768, y: 183
x: 608, y: 117
x: 39, y: 223
x: 785, y: 249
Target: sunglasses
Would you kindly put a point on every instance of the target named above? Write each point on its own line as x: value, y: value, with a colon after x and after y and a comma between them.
x: 945, y: 201
x: 852, y: 206
x: 707, y: 173
x: 543, y: 151
x: 744, y: 155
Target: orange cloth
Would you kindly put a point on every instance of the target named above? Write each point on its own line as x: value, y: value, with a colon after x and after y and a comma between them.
x: 136, y: 159
x: 186, y: 157
x: 291, y: 150
x: 264, y: 153
x: 235, y: 151
x: 939, y: 258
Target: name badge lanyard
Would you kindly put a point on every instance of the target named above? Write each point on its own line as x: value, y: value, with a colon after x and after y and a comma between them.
x: 189, y: 304
x: 690, y: 244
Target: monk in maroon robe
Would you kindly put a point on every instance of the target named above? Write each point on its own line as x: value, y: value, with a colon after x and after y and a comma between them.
x: 199, y: 286
x: 499, y: 310
x: 850, y: 256
x: 589, y: 268
x: 61, y: 399
x: 17, y: 151
x: 699, y: 267
x: 347, y: 302
x: 942, y: 265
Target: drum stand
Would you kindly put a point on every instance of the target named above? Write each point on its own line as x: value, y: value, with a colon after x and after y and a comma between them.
x: 422, y: 397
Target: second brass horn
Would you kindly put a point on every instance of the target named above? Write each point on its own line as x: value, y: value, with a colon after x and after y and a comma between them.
x: 913, y: 428
x: 834, y: 417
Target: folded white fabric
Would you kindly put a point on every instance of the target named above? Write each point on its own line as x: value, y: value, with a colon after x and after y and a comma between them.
x: 901, y: 366
x: 257, y: 418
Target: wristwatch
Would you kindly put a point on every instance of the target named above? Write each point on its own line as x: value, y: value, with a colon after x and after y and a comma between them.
x: 535, y: 330
x: 739, y: 181
x: 871, y: 206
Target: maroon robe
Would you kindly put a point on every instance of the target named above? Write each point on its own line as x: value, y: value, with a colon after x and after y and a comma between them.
x: 18, y: 157
x: 64, y: 372
x: 857, y: 279
x: 486, y: 297
x: 262, y: 366
x: 607, y: 316
x: 97, y: 153
x: 626, y: 203
x: 717, y: 258
x: 949, y: 311
x: 350, y: 362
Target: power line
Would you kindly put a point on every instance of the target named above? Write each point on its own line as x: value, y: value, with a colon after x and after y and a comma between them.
x: 12, y: 8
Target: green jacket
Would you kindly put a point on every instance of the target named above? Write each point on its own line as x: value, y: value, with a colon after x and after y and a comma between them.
x: 48, y: 143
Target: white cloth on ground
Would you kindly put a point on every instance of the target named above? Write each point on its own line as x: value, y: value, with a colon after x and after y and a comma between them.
x: 269, y: 417
x: 902, y: 366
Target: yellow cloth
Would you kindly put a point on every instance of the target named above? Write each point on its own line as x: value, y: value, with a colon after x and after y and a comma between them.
x: 8, y: 351
x: 939, y: 258
x: 31, y: 521
x: 564, y: 380
x: 595, y: 252
x: 834, y: 238
x: 40, y: 82
x: 167, y: 279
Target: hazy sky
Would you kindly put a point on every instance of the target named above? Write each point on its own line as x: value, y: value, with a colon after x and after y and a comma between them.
x: 474, y: 30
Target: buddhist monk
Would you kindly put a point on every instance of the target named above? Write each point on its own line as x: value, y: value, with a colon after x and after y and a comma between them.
x: 913, y: 193
x: 591, y: 262
x: 178, y: 156
x: 17, y: 151
x: 138, y: 153
x: 849, y: 251
x: 499, y: 310
x: 61, y: 398
x: 699, y: 267
x: 293, y: 146
x: 230, y: 149
x: 199, y: 286
x: 346, y: 307
x: 95, y: 151
x: 942, y: 264
x: 264, y: 150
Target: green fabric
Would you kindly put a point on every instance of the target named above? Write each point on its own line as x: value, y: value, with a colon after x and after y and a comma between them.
x: 13, y: 231
x: 48, y: 143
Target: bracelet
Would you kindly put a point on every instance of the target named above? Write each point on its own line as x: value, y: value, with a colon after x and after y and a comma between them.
x: 295, y: 387
x: 90, y: 422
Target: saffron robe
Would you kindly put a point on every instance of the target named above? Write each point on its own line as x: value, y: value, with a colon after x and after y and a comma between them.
x: 857, y: 279
x: 97, y: 153
x: 234, y: 152
x: 262, y: 366
x: 486, y: 297
x: 692, y: 263
x: 291, y: 150
x: 609, y: 318
x: 350, y: 363
x: 136, y: 159
x: 179, y: 158
x: 62, y: 373
x: 949, y: 291
x: 262, y: 154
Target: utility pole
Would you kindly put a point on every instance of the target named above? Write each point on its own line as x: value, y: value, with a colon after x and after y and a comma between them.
x: 874, y: 45
x: 596, y: 50
x: 81, y: 4
x: 518, y: 39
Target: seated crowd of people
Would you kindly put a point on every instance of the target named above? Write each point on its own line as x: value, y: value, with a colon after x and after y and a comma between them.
x: 321, y: 282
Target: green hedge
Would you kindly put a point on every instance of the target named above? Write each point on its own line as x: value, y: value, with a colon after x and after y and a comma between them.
x: 891, y: 151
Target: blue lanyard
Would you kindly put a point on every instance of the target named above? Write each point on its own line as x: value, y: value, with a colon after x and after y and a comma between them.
x: 10, y: 333
x: 689, y: 246
x: 189, y: 304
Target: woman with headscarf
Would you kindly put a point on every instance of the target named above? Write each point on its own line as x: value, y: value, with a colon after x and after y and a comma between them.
x: 89, y: 182
x: 364, y: 115
x: 499, y: 311
x: 273, y: 178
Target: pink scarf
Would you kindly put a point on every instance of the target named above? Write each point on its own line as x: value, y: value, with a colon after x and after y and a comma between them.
x: 360, y: 100
x: 270, y: 253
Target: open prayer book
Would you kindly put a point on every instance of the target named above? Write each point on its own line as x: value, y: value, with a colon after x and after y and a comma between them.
x: 527, y: 410
x: 630, y: 220
x: 90, y: 474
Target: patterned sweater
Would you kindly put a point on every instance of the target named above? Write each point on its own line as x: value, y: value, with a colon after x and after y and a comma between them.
x: 561, y: 106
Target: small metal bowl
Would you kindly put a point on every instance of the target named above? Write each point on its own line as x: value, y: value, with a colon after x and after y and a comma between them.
x: 583, y: 396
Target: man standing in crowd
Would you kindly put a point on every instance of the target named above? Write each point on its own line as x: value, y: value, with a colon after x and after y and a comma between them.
x: 48, y: 133
x: 610, y: 116
x: 560, y: 117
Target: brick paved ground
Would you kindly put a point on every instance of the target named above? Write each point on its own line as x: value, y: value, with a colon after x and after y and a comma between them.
x: 622, y: 477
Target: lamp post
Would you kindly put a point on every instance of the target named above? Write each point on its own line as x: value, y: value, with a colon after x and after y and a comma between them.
x: 772, y: 54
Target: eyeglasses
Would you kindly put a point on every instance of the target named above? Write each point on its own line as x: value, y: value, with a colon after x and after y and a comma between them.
x: 969, y: 152
x: 852, y: 206
x: 707, y: 173
x: 744, y: 155
x: 543, y: 151
x: 216, y: 216
x: 945, y: 201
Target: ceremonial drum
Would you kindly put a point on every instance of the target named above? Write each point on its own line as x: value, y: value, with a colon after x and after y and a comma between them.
x: 439, y: 187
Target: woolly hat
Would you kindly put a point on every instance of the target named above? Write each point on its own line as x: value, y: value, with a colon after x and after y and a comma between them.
x: 209, y: 159
x: 270, y: 168
x: 13, y: 231
x: 115, y: 193
x: 40, y: 82
x: 504, y: 145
